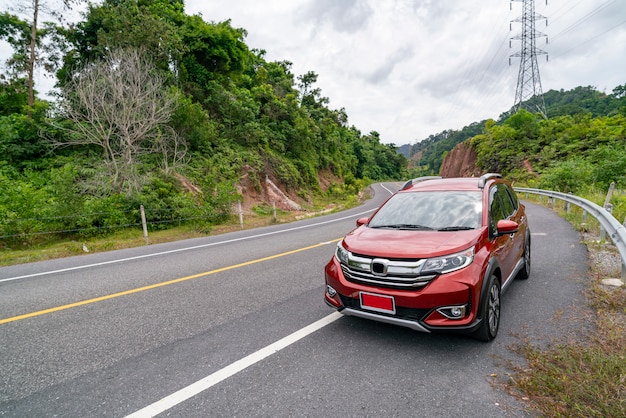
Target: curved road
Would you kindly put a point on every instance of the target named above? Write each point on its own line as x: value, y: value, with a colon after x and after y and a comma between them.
x: 235, y: 325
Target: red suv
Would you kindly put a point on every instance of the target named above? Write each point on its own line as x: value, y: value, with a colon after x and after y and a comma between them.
x: 436, y: 256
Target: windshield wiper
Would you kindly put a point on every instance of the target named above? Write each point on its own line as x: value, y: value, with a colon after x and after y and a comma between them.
x: 402, y: 226
x: 456, y: 228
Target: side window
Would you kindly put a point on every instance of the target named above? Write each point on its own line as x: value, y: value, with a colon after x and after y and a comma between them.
x: 507, y: 204
x: 495, y: 208
x: 513, y: 197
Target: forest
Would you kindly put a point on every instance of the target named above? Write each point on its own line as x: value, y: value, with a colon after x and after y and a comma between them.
x: 158, y: 108
x: 583, y: 124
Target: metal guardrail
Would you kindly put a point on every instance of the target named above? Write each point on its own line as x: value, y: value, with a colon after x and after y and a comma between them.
x: 612, y: 226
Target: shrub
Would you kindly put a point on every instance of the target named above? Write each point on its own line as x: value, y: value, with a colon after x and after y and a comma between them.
x: 568, y: 176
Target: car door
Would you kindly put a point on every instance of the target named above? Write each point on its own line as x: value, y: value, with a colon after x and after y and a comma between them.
x: 517, y: 215
x: 507, y: 247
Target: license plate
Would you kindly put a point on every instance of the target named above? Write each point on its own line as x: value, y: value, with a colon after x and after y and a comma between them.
x: 378, y: 303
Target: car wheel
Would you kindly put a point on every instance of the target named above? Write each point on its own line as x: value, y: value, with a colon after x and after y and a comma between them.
x: 491, y: 312
x: 525, y: 271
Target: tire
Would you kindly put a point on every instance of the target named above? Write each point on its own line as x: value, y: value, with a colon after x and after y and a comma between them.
x: 524, y: 273
x: 490, y: 312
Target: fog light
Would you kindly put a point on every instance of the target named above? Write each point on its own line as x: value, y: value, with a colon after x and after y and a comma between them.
x: 331, y: 292
x: 453, y: 312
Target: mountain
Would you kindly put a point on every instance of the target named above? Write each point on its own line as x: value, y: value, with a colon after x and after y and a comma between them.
x: 426, y: 156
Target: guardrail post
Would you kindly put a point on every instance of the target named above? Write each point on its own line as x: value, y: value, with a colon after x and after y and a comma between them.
x: 567, y: 205
x: 609, y: 208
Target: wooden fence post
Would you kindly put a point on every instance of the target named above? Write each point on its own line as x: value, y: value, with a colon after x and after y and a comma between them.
x: 240, y: 210
x: 144, y: 224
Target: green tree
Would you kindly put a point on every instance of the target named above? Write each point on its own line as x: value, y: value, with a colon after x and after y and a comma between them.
x: 214, y: 52
x: 32, y: 42
x: 150, y: 25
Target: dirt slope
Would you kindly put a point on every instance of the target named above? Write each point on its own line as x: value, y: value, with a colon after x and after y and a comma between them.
x: 460, y: 162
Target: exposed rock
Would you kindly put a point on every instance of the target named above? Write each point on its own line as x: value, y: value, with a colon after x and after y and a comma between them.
x: 612, y: 282
x: 279, y: 197
x: 460, y: 162
x: 184, y: 181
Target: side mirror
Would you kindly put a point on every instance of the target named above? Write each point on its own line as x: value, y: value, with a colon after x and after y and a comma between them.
x: 361, y: 221
x: 505, y: 227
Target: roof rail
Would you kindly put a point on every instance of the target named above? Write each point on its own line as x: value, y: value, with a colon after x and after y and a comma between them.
x: 483, y: 179
x: 419, y: 179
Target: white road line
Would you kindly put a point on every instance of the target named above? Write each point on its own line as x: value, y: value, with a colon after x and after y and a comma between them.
x: 230, y: 370
x: 212, y: 244
x: 390, y: 191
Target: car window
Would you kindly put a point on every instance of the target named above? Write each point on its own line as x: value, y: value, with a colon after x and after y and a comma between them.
x: 507, y: 204
x: 513, y: 197
x: 495, y: 208
x: 434, y: 210
x: 501, y: 205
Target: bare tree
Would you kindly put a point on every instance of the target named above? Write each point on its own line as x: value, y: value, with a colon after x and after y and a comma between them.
x: 122, y: 105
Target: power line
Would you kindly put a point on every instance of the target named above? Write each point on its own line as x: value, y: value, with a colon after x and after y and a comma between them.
x: 584, y: 19
x: 591, y: 39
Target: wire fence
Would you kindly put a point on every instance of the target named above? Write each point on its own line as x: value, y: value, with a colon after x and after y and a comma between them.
x: 94, y: 223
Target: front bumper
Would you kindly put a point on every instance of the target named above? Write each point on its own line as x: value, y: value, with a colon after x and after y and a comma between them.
x: 415, y: 309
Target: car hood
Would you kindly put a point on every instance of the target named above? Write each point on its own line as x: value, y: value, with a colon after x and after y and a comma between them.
x: 394, y: 243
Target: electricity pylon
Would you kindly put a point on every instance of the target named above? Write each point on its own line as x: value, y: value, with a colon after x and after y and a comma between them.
x: 528, y: 93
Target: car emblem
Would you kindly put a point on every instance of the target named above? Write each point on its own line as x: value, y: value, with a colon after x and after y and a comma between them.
x: 379, y: 266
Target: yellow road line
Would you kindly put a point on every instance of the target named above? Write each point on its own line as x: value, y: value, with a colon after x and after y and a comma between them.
x: 156, y: 285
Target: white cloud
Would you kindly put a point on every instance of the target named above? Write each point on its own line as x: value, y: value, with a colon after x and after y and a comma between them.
x: 411, y: 68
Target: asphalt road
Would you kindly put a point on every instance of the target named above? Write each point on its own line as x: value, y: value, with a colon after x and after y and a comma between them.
x: 235, y: 325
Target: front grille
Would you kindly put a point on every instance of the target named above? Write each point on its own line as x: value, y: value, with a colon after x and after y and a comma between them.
x: 411, y: 314
x: 395, y: 274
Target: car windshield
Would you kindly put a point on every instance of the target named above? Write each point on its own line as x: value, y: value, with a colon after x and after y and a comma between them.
x: 439, y: 210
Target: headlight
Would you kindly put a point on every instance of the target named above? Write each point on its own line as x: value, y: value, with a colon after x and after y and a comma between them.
x: 449, y: 263
x: 342, y: 254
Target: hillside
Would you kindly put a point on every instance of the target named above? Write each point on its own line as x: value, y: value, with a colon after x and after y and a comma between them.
x: 426, y: 157
x: 166, y: 110
x: 567, y: 153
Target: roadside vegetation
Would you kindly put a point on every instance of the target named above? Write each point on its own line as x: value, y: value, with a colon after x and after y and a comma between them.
x: 157, y: 108
x: 89, y: 241
x: 582, y: 373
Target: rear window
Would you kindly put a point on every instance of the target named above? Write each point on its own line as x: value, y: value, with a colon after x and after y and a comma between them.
x: 432, y: 210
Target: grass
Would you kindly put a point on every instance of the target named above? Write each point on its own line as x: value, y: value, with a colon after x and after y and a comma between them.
x: 133, y: 237
x: 583, y: 375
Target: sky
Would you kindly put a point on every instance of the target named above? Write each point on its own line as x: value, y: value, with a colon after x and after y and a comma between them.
x: 408, y: 69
